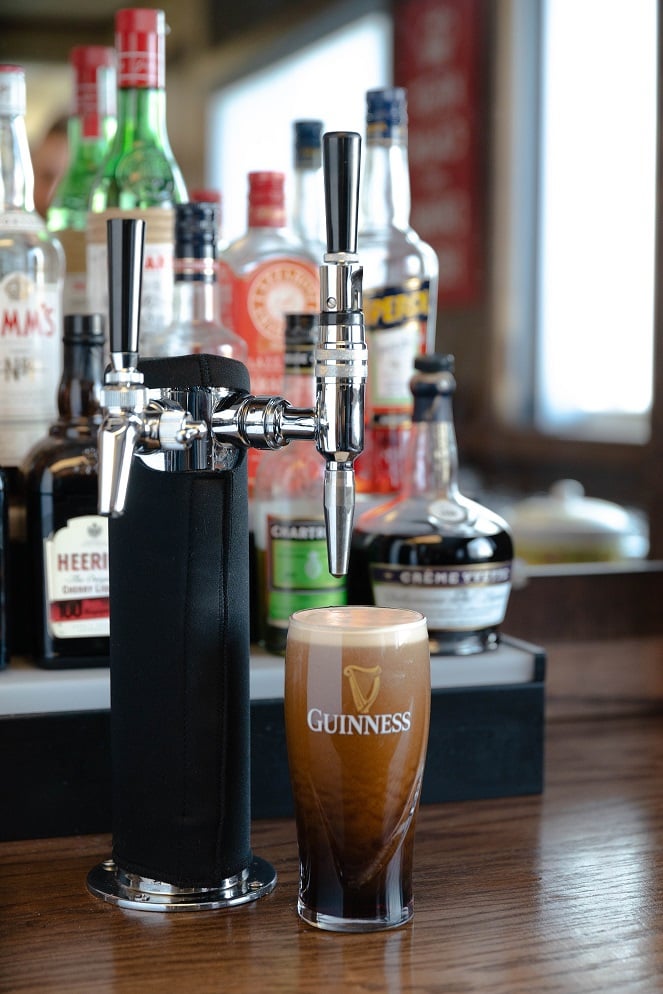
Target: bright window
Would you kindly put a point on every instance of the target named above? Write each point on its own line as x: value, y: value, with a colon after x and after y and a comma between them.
x: 575, y: 195
x: 250, y: 121
x: 598, y: 210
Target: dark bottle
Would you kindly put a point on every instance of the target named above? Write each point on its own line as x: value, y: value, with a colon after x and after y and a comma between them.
x: 431, y: 548
x: 68, y: 540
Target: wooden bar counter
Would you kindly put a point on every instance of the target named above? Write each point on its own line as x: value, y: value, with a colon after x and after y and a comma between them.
x: 558, y: 892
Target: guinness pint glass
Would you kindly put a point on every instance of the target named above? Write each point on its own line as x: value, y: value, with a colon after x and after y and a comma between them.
x: 357, y: 707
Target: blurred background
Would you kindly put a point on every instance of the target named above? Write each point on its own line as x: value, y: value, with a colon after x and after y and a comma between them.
x: 533, y: 158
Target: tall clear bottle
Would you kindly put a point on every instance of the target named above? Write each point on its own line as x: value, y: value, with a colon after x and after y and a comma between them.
x: 67, y: 539
x: 31, y: 279
x: 139, y: 177
x: 292, y: 572
x: 90, y: 129
x: 431, y: 547
x: 264, y: 275
x: 196, y: 326
x: 399, y: 290
x: 309, y: 194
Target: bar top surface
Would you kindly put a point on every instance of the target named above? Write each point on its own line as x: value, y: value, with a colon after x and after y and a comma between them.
x: 558, y: 892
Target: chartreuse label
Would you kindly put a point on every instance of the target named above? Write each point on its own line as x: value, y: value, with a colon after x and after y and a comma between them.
x: 298, y: 575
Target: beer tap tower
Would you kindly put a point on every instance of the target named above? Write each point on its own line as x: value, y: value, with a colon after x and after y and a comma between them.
x: 173, y: 479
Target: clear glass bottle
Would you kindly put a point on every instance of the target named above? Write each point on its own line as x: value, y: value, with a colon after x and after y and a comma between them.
x: 399, y: 290
x: 292, y: 572
x: 140, y: 176
x: 431, y: 547
x: 31, y: 279
x: 90, y: 129
x: 67, y: 539
x: 195, y: 326
x: 309, y: 194
x: 264, y: 275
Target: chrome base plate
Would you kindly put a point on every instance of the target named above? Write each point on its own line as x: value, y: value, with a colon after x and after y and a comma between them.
x: 129, y: 890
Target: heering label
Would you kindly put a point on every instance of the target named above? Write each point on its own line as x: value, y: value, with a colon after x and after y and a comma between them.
x: 453, y: 599
x: 77, y: 589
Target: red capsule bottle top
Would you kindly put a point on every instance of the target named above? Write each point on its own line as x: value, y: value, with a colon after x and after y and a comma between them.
x: 140, y: 42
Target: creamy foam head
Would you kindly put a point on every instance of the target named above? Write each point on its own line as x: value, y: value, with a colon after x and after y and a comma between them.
x: 358, y: 625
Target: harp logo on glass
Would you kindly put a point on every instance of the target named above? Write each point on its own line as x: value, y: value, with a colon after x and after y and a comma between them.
x: 364, y: 682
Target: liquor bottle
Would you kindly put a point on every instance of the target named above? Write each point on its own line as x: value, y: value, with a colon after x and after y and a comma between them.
x: 308, y: 201
x: 292, y: 572
x: 431, y: 547
x: 263, y: 275
x: 399, y: 290
x: 195, y: 326
x: 207, y: 195
x: 89, y: 130
x: 31, y: 278
x: 139, y: 176
x: 67, y: 539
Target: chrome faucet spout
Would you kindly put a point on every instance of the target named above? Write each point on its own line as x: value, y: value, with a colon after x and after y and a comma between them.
x: 118, y: 438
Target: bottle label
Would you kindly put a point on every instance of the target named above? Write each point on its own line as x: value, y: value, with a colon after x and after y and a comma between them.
x: 396, y: 319
x: 30, y: 362
x: 77, y: 589
x: 297, y: 574
x: 464, y: 598
x: 156, y: 309
x: 254, y: 305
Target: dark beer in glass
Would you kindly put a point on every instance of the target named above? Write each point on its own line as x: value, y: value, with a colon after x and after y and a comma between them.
x: 357, y: 707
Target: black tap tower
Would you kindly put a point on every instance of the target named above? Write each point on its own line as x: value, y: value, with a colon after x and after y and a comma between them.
x: 173, y: 478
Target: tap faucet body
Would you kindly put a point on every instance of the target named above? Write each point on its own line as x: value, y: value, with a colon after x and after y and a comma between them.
x: 173, y: 479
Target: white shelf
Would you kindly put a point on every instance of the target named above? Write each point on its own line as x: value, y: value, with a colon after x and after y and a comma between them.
x: 27, y: 690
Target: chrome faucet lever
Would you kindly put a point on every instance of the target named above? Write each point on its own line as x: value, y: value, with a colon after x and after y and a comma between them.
x: 123, y: 396
x: 132, y: 422
x: 341, y: 358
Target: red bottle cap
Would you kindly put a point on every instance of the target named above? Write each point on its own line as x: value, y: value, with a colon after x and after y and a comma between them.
x: 140, y: 35
x: 266, y: 200
x: 94, y: 68
x: 204, y: 195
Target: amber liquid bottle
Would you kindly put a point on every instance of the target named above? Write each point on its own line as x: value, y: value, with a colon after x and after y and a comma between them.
x: 68, y: 540
x: 432, y: 548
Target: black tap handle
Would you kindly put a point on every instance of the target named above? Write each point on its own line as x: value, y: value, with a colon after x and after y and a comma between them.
x: 126, y: 242
x: 341, y: 152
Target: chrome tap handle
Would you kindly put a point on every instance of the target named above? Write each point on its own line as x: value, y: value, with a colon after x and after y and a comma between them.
x: 123, y: 396
x: 126, y: 242
x: 341, y: 354
x: 341, y: 157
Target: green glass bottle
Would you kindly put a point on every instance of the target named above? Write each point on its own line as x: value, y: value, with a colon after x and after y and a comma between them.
x: 140, y: 176
x: 90, y: 129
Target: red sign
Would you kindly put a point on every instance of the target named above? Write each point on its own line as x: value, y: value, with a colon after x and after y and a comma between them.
x: 438, y: 47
